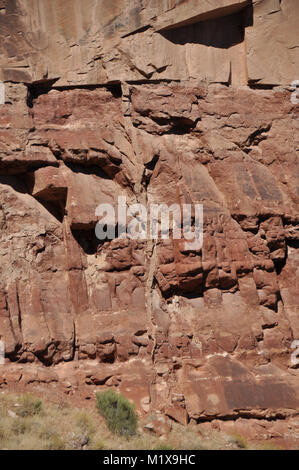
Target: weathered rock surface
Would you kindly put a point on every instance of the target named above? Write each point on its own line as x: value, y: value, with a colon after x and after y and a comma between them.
x: 198, y: 334
x: 92, y: 41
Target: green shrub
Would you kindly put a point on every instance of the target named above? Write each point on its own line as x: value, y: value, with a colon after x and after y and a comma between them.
x: 118, y: 411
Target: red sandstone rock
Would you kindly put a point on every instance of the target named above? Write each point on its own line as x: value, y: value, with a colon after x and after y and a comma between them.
x: 159, y: 425
x: 200, y: 334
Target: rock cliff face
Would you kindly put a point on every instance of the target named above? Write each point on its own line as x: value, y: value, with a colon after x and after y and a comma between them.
x: 160, y: 102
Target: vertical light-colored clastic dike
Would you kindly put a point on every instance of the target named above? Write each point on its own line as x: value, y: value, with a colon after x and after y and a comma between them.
x: 2, y: 352
x: 295, y: 94
x: 295, y: 354
x: 2, y: 92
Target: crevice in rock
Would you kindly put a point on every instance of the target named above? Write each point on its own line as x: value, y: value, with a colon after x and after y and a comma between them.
x: 87, y: 240
x: 270, y: 326
x: 293, y: 244
x: 170, y: 125
x: 23, y: 184
x: 34, y: 90
x: 43, y: 87
x: 148, y: 171
x: 53, y: 201
x: 114, y: 88
x: 279, y: 264
x: 87, y: 169
x: 19, y: 168
x: 153, y: 81
x: 257, y: 136
x: 15, y: 355
x: 179, y: 126
x: 221, y: 33
x: 18, y: 182
x: 254, y: 414
x: 56, y: 208
x: 74, y: 342
x: 255, y: 85
x: 44, y: 357
x: 142, y: 29
x: 97, y: 381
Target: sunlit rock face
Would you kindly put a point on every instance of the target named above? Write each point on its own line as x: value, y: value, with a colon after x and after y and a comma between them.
x: 160, y: 102
x: 95, y: 41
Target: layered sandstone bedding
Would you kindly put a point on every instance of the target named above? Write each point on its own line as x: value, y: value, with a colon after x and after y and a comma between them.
x: 203, y: 335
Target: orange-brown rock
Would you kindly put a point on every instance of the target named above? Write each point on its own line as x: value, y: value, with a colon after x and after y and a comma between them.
x: 196, y: 118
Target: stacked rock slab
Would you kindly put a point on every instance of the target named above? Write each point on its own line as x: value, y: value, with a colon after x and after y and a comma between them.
x: 160, y: 102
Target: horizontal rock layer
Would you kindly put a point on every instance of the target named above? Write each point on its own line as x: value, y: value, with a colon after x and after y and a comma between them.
x: 92, y: 41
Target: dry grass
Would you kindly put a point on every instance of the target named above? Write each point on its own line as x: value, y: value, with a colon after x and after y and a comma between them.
x: 240, y: 441
x: 28, y: 423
